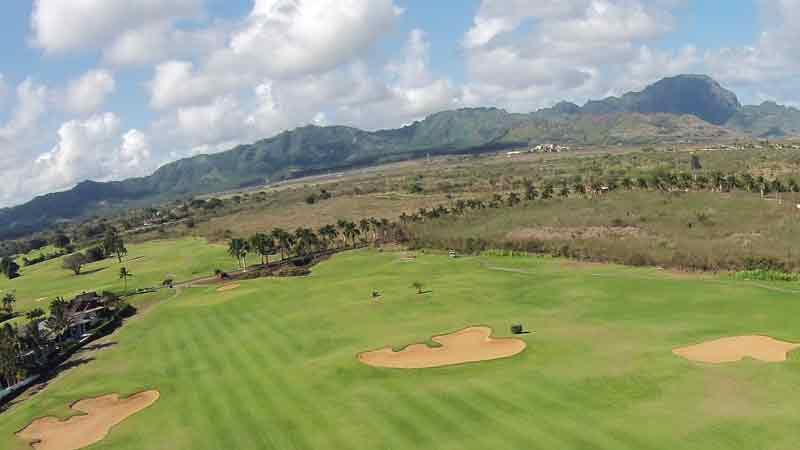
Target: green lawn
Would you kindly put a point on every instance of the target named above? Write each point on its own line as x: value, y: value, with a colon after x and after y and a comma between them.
x: 273, y: 363
x: 150, y: 264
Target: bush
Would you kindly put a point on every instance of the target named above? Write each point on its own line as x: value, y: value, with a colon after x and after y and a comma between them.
x: 290, y: 271
x: 95, y: 254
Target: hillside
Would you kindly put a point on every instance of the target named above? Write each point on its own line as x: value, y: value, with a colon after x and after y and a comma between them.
x: 686, y: 108
x: 619, y: 129
x: 293, y: 153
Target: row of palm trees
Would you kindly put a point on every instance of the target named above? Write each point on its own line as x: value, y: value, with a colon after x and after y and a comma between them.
x: 665, y: 182
x: 306, y: 241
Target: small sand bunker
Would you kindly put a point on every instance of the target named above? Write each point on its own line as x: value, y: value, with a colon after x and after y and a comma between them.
x: 228, y: 287
x: 733, y: 349
x: 472, y: 344
x: 100, y: 415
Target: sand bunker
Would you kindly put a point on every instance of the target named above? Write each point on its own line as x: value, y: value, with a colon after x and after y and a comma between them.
x: 733, y: 349
x: 228, y: 287
x: 100, y: 415
x: 469, y: 345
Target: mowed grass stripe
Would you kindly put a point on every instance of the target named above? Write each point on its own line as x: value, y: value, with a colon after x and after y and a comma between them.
x: 208, y: 386
x: 572, y: 424
x: 282, y: 419
x: 448, y: 425
x: 167, y: 349
x: 231, y: 333
x: 575, y: 404
x: 292, y: 388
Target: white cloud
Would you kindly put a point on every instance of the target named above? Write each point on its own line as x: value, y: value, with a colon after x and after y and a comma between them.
x: 91, y: 149
x: 286, y: 38
x: 88, y: 93
x: 177, y: 83
x: 769, y: 67
x: 65, y: 25
x: 524, y: 54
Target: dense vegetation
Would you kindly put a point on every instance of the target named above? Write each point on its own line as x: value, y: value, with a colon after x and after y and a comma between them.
x: 676, y: 110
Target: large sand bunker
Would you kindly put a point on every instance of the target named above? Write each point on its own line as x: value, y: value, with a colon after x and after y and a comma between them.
x: 100, y: 415
x: 733, y: 349
x: 228, y: 287
x: 472, y: 344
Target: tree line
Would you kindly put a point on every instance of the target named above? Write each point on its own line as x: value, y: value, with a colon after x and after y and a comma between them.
x: 29, y: 349
x: 303, y: 242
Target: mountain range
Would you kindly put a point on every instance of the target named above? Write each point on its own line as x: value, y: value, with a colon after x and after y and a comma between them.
x: 685, y: 108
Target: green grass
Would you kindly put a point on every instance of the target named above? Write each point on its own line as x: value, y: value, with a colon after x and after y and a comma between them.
x: 272, y: 365
x: 150, y: 264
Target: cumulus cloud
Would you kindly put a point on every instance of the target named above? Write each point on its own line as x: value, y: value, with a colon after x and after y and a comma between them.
x: 767, y: 68
x: 525, y: 54
x: 88, y: 93
x: 94, y: 149
x: 295, y: 37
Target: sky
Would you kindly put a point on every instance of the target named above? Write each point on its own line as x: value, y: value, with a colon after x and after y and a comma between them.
x: 110, y: 89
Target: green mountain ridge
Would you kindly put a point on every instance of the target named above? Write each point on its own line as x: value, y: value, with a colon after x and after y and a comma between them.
x: 687, y: 108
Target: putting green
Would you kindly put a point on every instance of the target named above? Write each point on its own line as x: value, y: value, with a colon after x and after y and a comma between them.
x: 271, y: 365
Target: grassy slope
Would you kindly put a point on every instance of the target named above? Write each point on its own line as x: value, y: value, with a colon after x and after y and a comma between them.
x: 272, y: 364
x: 670, y: 229
x: 150, y: 264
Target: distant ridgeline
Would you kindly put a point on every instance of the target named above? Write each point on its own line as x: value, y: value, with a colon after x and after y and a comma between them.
x: 679, y: 109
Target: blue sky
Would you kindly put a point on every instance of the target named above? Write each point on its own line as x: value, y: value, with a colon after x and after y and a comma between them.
x: 106, y: 89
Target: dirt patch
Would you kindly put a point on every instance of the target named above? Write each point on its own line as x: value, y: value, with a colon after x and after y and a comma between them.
x: 228, y: 287
x: 472, y: 344
x: 572, y: 233
x: 733, y: 349
x: 99, y: 416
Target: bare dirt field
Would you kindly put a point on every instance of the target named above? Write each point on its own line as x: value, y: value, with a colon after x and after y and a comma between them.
x: 100, y: 415
x: 472, y: 344
x: 733, y: 349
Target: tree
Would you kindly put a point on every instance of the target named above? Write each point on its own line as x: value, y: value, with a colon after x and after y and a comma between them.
x: 305, y: 240
x: 418, y: 286
x: 60, y: 240
x: 9, y: 268
x: 74, y: 262
x: 8, y: 302
x: 513, y: 199
x: 124, y: 275
x: 264, y: 245
x: 284, y: 239
x: 350, y: 232
x: 59, y: 320
x: 34, y: 314
x: 113, y: 244
x: 327, y: 234
x: 9, y: 355
x: 364, y: 226
x: 238, y: 249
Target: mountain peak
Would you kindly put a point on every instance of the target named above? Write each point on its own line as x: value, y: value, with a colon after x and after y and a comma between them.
x: 698, y: 95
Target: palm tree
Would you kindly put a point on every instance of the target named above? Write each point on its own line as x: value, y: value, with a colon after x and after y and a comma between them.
x: 305, y: 240
x: 123, y: 275
x: 284, y: 239
x: 264, y: 245
x: 328, y: 235
x: 8, y: 302
x: 350, y: 232
x: 238, y: 249
x: 59, y: 320
x: 512, y: 199
x: 364, y: 227
x: 9, y: 355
